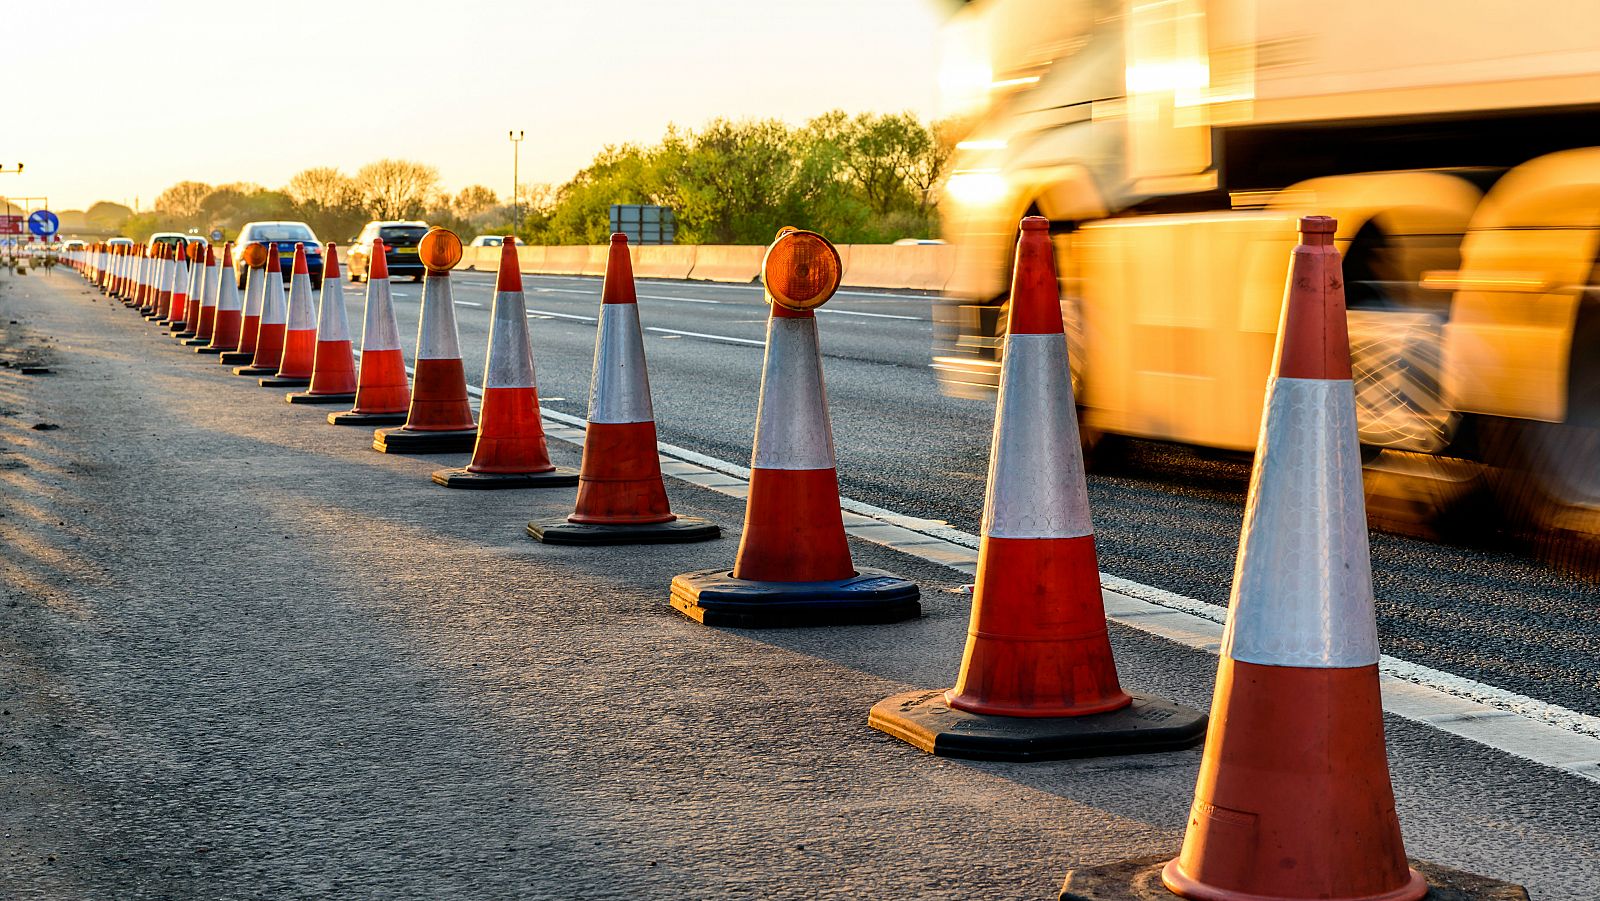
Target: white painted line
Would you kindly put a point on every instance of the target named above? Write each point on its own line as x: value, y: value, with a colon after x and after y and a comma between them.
x: 673, y: 331
x: 873, y: 315
x: 574, y: 316
x: 467, y: 303
x: 679, y: 299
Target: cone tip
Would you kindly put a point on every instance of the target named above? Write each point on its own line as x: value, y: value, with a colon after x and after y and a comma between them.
x: 300, y: 267
x: 330, y: 262
x: 227, y: 254
x: 378, y: 264
x: 619, y: 238
x: 272, y: 259
x: 1035, y: 296
x: 510, y: 277
x: 617, y: 287
x: 1035, y: 224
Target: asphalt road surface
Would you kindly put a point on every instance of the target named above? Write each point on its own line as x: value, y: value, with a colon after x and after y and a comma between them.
x: 243, y: 656
x: 1164, y: 517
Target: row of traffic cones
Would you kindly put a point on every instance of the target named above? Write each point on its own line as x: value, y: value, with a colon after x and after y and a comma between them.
x: 1293, y: 800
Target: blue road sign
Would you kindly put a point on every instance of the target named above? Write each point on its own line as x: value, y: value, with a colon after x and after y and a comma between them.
x: 216, y: 234
x: 43, y: 223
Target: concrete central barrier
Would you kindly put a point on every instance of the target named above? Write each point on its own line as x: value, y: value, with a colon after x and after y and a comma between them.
x: 565, y: 259
x: 663, y: 260
x: 727, y: 263
x: 923, y: 267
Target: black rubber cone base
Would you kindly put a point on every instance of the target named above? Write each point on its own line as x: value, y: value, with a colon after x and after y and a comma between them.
x: 208, y: 349
x: 278, y: 381
x: 230, y: 357
x: 253, y: 370
x: 306, y: 397
x: 679, y: 531
x: 194, y: 341
x: 406, y: 441
x: 560, y: 477
x: 351, y: 417
x: 714, y: 597
x: 184, y: 335
x: 1148, y: 725
x: 1140, y: 880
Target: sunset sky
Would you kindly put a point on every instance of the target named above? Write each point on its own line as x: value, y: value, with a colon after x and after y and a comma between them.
x: 131, y: 97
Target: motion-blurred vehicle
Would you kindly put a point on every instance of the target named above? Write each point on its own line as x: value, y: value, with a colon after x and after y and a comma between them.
x: 120, y: 242
x: 494, y: 241
x: 400, y: 249
x: 1173, y: 146
x: 286, y: 235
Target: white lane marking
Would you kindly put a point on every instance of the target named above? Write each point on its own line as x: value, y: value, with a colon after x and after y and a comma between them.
x: 467, y: 303
x: 573, y: 316
x: 679, y: 299
x: 673, y: 331
x: 873, y: 315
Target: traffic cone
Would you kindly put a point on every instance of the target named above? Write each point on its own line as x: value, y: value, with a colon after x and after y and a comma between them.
x: 268, y: 349
x: 1037, y: 681
x: 621, y: 497
x: 333, y: 366
x: 140, y: 287
x: 299, y: 330
x: 255, y: 282
x: 196, y: 292
x: 793, y: 566
x: 177, y: 285
x: 1293, y: 799
x: 159, y: 296
x: 383, y: 396
x: 510, y: 451
x: 184, y: 285
x: 440, y: 420
x: 208, y: 302
x: 228, y: 320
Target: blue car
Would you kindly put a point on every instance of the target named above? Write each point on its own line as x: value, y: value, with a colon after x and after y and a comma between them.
x: 286, y: 235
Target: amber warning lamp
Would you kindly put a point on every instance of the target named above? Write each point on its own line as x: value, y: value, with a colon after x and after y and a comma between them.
x: 255, y: 255
x: 440, y: 249
x: 801, y: 269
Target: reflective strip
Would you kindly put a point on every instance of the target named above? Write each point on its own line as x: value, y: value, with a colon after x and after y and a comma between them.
x: 792, y: 426
x: 227, y: 291
x: 510, y: 361
x: 272, y: 312
x: 1302, y: 589
x: 620, y: 389
x: 436, y: 332
x: 253, y: 280
x: 379, y: 331
x: 208, y: 286
x: 197, y: 282
x: 1036, y: 481
x: 333, y: 323
x: 301, y: 316
x: 179, y: 280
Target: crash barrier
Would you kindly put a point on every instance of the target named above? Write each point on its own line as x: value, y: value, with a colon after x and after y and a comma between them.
x: 916, y: 267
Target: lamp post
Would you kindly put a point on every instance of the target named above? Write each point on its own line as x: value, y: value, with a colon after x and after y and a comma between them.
x: 516, y: 159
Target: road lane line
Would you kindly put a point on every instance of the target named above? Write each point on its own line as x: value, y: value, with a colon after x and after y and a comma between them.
x: 873, y: 315
x: 673, y: 331
x: 532, y: 313
x: 680, y: 299
x: 467, y: 303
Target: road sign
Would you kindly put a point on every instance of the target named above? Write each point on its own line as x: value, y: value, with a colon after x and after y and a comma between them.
x: 43, y: 223
x: 216, y: 234
x: 10, y: 225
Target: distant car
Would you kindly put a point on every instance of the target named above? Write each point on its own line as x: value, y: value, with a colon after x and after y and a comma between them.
x: 286, y: 235
x: 120, y: 242
x: 400, y: 249
x: 494, y: 241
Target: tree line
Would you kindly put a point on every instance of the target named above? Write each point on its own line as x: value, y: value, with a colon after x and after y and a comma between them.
x: 869, y: 178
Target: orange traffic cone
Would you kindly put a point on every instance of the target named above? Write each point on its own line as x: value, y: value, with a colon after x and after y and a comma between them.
x: 159, y: 295
x: 268, y: 347
x: 194, y: 295
x: 1037, y: 680
x: 510, y: 451
x: 440, y: 421
x: 144, y: 287
x: 178, y: 288
x: 1294, y: 799
x: 208, y: 302
x: 382, y: 393
x: 254, y: 256
x: 333, y: 366
x: 621, y: 497
x: 228, y: 320
x: 793, y: 566
x: 299, y: 330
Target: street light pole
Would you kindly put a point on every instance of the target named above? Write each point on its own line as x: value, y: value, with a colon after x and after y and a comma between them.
x: 516, y: 159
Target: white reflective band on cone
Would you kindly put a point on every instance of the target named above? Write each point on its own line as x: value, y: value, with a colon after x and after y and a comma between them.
x: 436, y: 333
x: 333, y: 324
x: 227, y: 291
x: 209, y: 285
x: 1302, y: 589
x: 620, y: 389
x: 254, y: 280
x: 272, y: 312
x: 792, y: 426
x: 1036, y: 481
x: 180, y: 278
x: 510, y: 362
x: 197, y: 281
x: 300, y: 318
x: 379, y: 331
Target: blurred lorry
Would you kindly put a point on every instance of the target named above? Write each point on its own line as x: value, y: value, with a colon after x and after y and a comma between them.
x: 1173, y: 143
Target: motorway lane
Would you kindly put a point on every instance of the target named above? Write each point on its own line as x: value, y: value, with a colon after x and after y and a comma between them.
x: 1164, y: 516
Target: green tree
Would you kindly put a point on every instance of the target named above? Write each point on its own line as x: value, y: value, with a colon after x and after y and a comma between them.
x: 396, y: 189
x: 107, y: 216
x: 182, y: 200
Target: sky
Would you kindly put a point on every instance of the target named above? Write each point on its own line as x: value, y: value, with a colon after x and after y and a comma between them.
x: 151, y: 93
